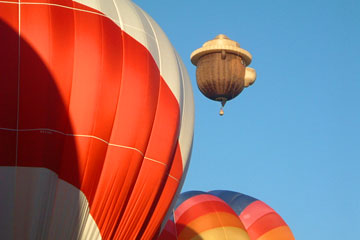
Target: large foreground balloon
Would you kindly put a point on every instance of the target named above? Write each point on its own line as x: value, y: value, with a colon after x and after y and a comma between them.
x: 96, y: 120
x: 207, y: 216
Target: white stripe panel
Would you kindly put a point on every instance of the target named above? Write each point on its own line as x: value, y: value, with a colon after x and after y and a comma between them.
x: 188, y: 115
x: 42, y: 206
x: 127, y: 16
x: 7, y: 202
x: 186, y: 133
x: 169, y: 66
x: 175, y: 74
x: 139, y: 25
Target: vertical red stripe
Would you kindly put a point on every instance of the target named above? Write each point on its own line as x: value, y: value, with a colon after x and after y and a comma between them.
x: 161, y: 148
x: 132, y: 126
x: 41, y: 104
x: 9, y: 41
x: 167, y: 195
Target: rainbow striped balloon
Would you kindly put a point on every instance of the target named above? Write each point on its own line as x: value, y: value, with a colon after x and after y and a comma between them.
x: 224, y: 215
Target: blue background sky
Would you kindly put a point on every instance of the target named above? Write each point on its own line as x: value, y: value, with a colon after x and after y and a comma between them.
x: 293, y: 138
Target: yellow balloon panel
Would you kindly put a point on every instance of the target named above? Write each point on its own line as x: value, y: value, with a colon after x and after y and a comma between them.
x: 226, y: 233
x: 210, y: 221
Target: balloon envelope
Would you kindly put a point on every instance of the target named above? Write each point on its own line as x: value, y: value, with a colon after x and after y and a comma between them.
x: 96, y: 120
x: 260, y: 220
x: 192, y: 218
x: 199, y: 215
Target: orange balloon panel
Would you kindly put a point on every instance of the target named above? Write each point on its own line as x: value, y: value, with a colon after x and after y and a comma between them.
x: 94, y: 136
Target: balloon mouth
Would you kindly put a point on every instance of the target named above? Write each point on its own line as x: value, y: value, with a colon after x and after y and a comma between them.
x: 222, y: 100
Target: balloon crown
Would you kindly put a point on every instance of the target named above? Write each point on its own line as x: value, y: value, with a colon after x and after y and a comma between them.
x: 220, y: 43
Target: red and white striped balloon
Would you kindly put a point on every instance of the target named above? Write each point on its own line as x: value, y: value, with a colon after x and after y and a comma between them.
x: 96, y: 120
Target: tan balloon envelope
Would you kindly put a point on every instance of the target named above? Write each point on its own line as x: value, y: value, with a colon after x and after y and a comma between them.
x: 222, y: 71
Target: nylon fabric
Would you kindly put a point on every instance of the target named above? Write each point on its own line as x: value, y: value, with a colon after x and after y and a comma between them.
x: 254, y: 211
x: 225, y: 233
x: 95, y: 109
x: 206, y: 222
x: 280, y: 233
x: 201, y: 215
x: 258, y: 218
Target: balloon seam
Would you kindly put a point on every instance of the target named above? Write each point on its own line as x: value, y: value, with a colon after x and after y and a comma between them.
x: 62, y: 6
x: 45, y: 130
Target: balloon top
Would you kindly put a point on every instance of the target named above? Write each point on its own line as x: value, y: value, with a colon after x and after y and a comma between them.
x: 219, y: 43
x: 221, y: 36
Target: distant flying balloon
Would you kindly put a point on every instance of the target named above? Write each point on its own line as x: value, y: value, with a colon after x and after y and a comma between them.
x: 96, y: 120
x: 222, y: 71
x: 193, y: 218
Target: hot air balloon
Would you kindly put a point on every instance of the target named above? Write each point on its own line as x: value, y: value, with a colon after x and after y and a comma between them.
x: 260, y: 220
x: 194, y: 208
x: 199, y: 215
x: 96, y: 120
x: 222, y: 71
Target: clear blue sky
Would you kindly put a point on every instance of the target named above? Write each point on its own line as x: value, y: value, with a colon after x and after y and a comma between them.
x: 293, y: 138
